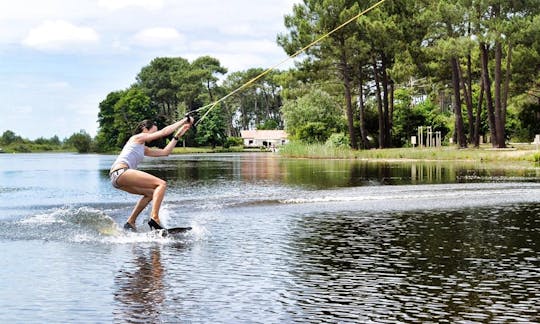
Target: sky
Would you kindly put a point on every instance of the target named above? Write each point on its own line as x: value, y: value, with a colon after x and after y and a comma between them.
x: 60, y: 58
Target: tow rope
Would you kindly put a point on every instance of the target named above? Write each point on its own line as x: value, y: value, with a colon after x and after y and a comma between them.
x: 303, y: 49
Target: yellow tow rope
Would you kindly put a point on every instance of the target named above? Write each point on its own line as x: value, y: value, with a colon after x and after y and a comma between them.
x: 248, y: 83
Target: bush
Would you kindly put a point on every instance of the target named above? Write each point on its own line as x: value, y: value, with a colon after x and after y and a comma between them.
x: 536, y: 157
x: 9, y: 137
x: 233, y: 141
x: 268, y: 124
x: 313, y: 132
x: 312, y: 117
x: 22, y: 148
x: 81, y: 141
x: 338, y: 140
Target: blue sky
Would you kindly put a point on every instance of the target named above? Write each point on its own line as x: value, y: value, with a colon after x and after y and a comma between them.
x: 60, y: 58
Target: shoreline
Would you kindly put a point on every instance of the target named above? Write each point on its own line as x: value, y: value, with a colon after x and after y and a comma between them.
x: 516, y: 153
x: 512, y: 157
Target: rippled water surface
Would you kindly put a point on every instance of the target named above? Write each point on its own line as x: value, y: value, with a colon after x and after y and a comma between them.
x: 273, y: 241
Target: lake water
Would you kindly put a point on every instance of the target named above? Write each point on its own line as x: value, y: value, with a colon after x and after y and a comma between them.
x: 274, y: 240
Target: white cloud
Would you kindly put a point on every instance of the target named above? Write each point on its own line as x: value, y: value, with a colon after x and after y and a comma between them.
x: 58, y: 35
x: 158, y: 36
x: 121, y: 4
x: 87, y: 48
x: 238, y: 55
x: 238, y: 62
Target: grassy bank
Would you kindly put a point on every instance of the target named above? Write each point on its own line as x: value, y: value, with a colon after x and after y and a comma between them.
x: 516, y: 153
x: 195, y: 150
x: 35, y: 148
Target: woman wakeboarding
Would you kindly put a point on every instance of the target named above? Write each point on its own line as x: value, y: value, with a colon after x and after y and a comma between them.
x: 125, y: 176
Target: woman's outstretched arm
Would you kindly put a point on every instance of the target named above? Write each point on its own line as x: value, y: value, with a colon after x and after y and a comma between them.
x: 155, y: 152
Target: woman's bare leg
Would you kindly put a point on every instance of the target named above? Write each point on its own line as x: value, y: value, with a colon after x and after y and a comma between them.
x: 142, y: 183
x: 159, y: 193
x: 141, y: 205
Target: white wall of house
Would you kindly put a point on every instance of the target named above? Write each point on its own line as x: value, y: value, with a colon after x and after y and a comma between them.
x: 266, y: 138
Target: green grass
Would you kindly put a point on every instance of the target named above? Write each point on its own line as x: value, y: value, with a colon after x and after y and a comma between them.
x: 315, y: 151
x: 41, y: 148
x: 516, y: 153
x: 519, y: 153
x: 196, y: 150
x: 34, y: 148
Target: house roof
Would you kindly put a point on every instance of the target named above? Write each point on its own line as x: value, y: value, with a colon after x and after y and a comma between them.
x: 263, y: 134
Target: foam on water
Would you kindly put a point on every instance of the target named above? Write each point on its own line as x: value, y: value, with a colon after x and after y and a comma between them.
x: 40, y: 219
x: 100, y: 223
x: 87, y: 225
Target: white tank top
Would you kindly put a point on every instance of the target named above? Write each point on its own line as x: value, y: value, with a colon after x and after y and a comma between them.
x: 132, y: 154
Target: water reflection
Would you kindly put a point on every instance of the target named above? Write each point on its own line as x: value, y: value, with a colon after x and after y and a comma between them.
x: 350, y: 173
x: 139, y: 287
x: 321, y: 174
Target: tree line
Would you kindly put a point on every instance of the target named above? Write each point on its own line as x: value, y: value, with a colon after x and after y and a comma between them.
x: 169, y: 87
x: 482, y: 54
x: 80, y: 141
x: 468, y: 68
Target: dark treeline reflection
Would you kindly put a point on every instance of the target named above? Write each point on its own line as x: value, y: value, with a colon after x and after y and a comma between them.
x: 326, y: 173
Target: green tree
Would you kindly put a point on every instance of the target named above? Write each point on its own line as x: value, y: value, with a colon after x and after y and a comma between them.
x: 526, y: 57
x: 313, y: 19
x: 175, y: 85
x: 382, y: 32
x: 313, y: 132
x: 165, y: 81
x: 358, y: 54
x: 268, y: 124
x: 482, y: 53
x: 211, y: 130
x: 107, y: 136
x: 82, y: 141
x: 529, y: 122
x: 407, y: 117
x: 256, y: 104
x: 447, y: 43
x: 207, y: 70
x: 53, y: 141
x: 315, y: 113
x: 9, y: 137
x: 132, y: 107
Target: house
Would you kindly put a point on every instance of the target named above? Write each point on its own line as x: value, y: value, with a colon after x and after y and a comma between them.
x: 266, y: 138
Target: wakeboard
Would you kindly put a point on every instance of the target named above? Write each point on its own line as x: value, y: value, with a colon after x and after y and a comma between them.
x: 178, y: 230
x: 173, y: 231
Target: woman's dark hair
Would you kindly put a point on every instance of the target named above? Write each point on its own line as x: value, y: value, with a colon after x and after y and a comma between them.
x: 147, y: 123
